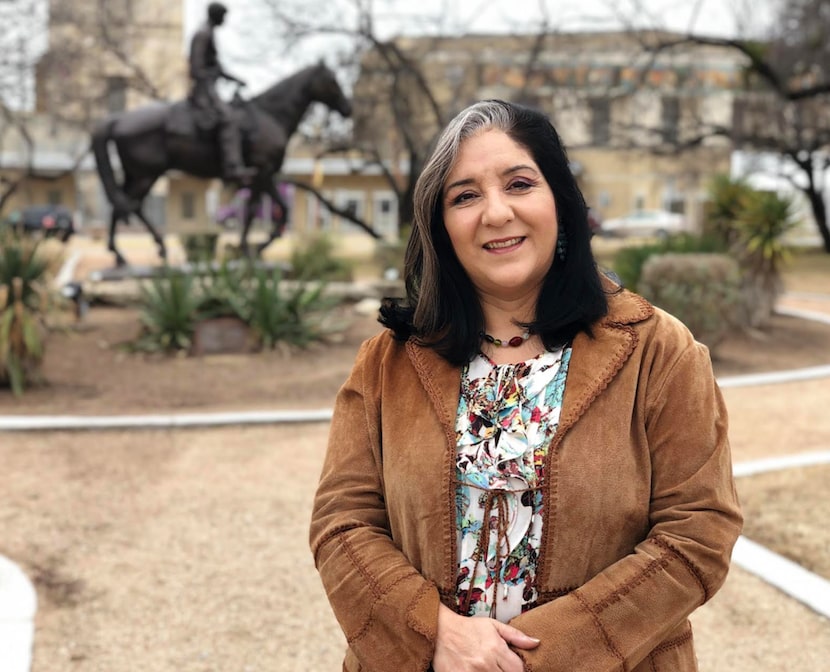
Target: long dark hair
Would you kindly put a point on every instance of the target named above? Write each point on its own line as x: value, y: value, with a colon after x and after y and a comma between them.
x: 441, y: 308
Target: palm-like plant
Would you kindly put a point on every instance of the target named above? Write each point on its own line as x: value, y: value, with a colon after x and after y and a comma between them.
x: 763, y: 220
x: 724, y: 206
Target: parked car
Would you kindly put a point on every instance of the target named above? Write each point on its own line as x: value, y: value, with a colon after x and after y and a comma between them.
x: 50, y: 220
x: 229, y: 216
x: 659, y: 223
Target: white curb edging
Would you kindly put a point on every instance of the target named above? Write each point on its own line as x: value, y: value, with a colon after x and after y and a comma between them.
x: 789, y: 577
x: 812, y: 315
x: 767, y: 464
x: 84, y: 422
x: 789, y: 376
x: 18, y: 603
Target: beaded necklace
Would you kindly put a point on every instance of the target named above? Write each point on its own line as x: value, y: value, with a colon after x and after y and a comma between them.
x: 514, y: 342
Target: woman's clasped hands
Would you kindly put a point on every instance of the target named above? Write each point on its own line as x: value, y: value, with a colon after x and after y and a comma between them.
x: 477, y: 644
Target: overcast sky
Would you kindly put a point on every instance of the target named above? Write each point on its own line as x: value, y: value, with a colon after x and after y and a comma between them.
x: 264, y: 63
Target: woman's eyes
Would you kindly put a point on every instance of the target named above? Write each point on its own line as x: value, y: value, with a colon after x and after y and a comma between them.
x: 520, y: 185
x: 515, y: 185
x: 462, y: 198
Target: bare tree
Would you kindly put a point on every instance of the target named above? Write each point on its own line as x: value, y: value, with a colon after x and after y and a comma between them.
x: 783, y: 106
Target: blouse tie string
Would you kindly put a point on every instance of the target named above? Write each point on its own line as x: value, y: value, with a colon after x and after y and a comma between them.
x: 494, y: 498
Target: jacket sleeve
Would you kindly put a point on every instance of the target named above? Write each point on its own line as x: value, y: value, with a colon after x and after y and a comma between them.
x: 386, y: 609
x: 614, y: 620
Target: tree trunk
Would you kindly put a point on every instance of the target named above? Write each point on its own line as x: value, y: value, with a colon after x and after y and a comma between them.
x: 819, y: 208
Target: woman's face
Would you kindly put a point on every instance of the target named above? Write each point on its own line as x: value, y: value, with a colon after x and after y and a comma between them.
x: 500, y: 216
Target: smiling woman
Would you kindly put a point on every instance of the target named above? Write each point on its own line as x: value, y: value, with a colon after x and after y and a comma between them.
x: 507, y: 485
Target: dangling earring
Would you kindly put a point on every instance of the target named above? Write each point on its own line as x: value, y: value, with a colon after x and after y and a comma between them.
x: 561, y: 245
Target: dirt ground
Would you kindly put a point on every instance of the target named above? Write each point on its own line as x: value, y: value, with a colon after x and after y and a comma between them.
x: 185, y: 550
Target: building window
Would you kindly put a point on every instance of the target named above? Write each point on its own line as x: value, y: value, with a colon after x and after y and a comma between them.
x: 385, y: 214
x: 318, y: 216
x: 116, y: 94
x: 188, y: 205
x: 600, y: 121
x: 353, y: 202
x: 671, y: 119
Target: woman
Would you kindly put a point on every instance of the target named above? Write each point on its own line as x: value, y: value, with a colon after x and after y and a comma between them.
x: 529, y: 470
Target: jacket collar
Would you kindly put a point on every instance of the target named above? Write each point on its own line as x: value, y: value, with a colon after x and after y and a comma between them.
x: 595, y: 360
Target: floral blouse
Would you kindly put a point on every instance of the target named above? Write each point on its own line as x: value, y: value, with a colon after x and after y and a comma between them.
x: 507, y: 416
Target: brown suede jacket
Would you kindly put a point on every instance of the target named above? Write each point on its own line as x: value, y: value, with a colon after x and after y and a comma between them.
x: 640, y: 506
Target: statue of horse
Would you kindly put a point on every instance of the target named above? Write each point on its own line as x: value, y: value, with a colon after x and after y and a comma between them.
x: 154, y: 139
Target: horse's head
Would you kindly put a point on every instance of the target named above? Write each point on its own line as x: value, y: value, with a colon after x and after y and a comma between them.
x: 325, y: 89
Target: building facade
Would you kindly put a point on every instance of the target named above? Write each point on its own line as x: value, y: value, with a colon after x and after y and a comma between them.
x: 630, y: 118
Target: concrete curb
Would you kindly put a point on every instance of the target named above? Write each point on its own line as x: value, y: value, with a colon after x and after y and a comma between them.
x: 789, y: 577
x: 768, y: 464
x: 36, y: 423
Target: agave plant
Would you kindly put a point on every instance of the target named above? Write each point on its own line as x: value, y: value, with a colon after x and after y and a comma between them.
x: 24, y: 301
x: 169, y: 313
x: 280, y: 312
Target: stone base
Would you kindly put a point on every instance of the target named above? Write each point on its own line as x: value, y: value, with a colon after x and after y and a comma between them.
x: 221, y: 335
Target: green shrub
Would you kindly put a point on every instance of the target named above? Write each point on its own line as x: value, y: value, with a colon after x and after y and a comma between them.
x: 726, y: 197
x: 24, y: 302
x: 628, y: 262
x: 314, y: 259
x: 200, y: 247
x: 702, y: 290
x: 170, y: 310
x: 283, y: 314
x: 275, y: 311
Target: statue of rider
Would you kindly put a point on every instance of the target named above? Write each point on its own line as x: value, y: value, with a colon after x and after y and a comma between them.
x: 205, y: 70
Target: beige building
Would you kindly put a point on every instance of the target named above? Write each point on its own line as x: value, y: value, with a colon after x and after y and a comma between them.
x: 620, y: 111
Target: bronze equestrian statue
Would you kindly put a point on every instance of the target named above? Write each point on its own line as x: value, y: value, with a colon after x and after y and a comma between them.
x: 205, y: 71
x: 156, y: 138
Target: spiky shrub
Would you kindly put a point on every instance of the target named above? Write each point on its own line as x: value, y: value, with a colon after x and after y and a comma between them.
x: 725, y: 201
x: 275, y: 311
x: 701, y: 290
x: 764, y: 219
x: 24, y: 302
x: 169, y: 312
x: 283, y: 312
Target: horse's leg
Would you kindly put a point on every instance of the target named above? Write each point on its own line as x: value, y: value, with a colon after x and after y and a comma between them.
x: 248, y: 212
x: 154, y: 233
x: 277, y: 226
x: 114, y: 219
x: 137, y: 189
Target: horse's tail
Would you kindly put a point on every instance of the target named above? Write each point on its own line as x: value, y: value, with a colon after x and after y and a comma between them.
x: 101, y: 136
